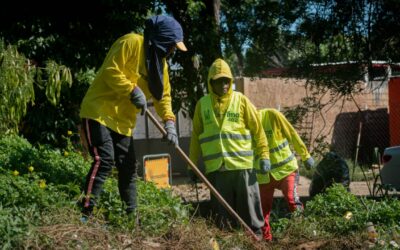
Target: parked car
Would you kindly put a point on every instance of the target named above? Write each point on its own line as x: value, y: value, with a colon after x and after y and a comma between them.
x: 390, y: 172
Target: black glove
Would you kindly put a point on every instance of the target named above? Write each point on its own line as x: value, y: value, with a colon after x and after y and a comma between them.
x: 172, y: 136
x: 192, y: 176
x: 139, y: 99
x: 309, y: 163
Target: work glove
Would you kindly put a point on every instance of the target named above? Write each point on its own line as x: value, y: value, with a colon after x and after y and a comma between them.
x: 172, y: 136
x: 265, y: 166
x: 139, y: 99
x: 309, y: 163
x: 192, y: 176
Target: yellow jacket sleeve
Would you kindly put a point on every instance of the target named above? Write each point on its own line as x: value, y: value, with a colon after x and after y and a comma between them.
x: 291, y: 135
x: 115, y: 63
x: 195, y: 150
x: 253, y: 123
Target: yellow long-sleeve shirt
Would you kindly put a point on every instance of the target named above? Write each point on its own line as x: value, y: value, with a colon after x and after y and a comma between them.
x: 108, y: 98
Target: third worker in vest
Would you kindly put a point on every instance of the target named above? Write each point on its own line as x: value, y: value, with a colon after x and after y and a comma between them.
x: 284, y: 173
x: 224, y: 124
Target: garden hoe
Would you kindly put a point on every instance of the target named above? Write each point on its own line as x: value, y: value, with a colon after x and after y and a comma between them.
x: 204, y: 179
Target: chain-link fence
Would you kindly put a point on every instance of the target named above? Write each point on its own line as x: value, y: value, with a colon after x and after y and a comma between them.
x: 356, y: 128
x: 357, y: 134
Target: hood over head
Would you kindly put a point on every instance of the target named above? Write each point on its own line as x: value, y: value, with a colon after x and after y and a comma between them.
x: 161, y: 34
x: 219, y: 69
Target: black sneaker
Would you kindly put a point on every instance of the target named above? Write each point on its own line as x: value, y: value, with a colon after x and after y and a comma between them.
x: 86, y: 214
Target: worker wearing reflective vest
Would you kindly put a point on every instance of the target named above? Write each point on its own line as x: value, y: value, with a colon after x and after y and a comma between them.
x: 284, y: 169
x: 224, y: 124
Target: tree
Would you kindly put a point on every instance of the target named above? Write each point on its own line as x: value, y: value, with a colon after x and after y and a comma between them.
x: 251, y: 35
x: 200, y: 23
x: 77, y: 34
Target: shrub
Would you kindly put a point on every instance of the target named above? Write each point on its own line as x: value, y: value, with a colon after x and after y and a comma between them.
x: 157, y: 209
x: 28, y: 190
x: 21, y: 80
x: 327, y: 211
x: 14, y: 225
x: 16, y: 153
x: 61, y: 167
x: 54, y: 165
x: 23, y: 200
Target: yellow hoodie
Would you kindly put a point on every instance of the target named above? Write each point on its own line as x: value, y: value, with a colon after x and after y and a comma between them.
x: 108, y: 99
x: 220, y: 104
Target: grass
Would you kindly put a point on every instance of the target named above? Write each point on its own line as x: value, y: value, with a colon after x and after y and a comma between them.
x: 61, y: 229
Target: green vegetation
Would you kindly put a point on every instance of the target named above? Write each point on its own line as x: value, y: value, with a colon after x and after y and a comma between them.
x: 47, y: 62
x: 38, y: 183
x: 40, y: 186
x: 23, y: 82
x: 338, y: 214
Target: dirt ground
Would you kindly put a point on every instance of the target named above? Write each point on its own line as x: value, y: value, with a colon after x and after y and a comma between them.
x: 188, y: 191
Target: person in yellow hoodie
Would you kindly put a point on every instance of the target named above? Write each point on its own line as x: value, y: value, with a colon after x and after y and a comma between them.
x: 133, y: 71
x: 224, y: 124
x: 284, y: 173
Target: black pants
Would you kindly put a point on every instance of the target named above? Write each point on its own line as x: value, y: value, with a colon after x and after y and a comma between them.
x: 239, y: 188
x: 109, y: 149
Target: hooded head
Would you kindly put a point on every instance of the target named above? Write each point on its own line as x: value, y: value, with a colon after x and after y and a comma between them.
x: 162, y: 34
x: 219, y: 73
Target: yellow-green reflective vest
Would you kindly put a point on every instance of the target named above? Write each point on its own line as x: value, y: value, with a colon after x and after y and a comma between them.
x: 283, y: 161
x: 227, y: 144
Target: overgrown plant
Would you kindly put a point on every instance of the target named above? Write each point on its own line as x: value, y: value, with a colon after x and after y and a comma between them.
x: 16, y: 88
x: 36, y: 180
x: 54, y: 165
x: 57, y: 76
x: 158, y: 210
x: 328, y: 210
x: 18, y: 77
x: 48, y: 124
x: 24, y: 198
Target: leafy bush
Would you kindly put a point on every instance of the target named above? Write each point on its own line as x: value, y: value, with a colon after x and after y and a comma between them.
x: 46, y: 124
x: 21, y: 80
x: 328, y: 211
x: 28, y: 190
x: 15, y: 225
x: 385, y: 212
x: 16, y: 88
x: 158, y: 210
x: 330, y: 208
x: 23, y: 200
x: 62, y: 167
x: 16, y: 153
x: 54, y: 165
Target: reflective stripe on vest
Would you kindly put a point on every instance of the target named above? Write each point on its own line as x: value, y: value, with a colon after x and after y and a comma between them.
x: 228, y: 144
x: 283, y: 161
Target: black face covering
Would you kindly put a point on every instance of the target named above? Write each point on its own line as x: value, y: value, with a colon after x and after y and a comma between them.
x: 160, y: 35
